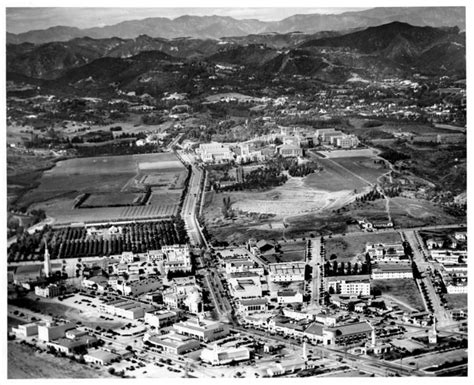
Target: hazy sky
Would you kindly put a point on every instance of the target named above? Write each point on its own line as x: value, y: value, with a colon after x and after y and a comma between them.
x: 26, y: 19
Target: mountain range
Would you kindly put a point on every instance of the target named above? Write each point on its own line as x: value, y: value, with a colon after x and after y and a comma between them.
x: 215, y: 27
x: 157, y: 64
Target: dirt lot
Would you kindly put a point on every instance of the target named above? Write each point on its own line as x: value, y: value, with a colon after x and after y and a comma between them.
x: 24, y: 362
x: 456, y: 301
x: 364, y: 167
x: 403, y: 290
x: 350, y: 246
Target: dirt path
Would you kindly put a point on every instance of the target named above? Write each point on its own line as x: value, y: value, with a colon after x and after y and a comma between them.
x: 404, y: 304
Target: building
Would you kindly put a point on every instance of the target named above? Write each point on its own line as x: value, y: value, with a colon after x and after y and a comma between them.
x: 449, y: 256
x: 348, y: 334
x: 177, y: 258
x: 392, y: 271
x: 225, y: 355
x: 288, y: 150
x: 385, y: 251
x: 289, y: 296
x: 456, y: 289
x: 286, y: 272
x: 70, y: 346
x: 162, y: 318
x: 140, y: 286
x: 251, y: 306
x: 242, y: 265
x: 347, y: 141
x: 245, y: 285
x: 47, y: 261
x: 26, y: 330
x: 100, y: 357
x: 284, y: 367
x: 49, y: 291
x: 95, y: 282
x: 51, y: 331
x: 349, y: 284
x: 125, y: 308
x: 297, y: 315
x: 173, y: 343
x: 215, y: 152
x: 27, y: 273
x: 202, y: 329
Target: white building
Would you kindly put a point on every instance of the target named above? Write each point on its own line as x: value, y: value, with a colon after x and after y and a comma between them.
x: 51, y: 331
x: 215, y: 152
x: 173, y: 343
x: 125, y: 308
x: 26, y: 330
x: 245, y: 285
x: 286, y: 272
x: 202, y: 329
x: 252, y: 306
x: 100, y: 357
x: 178, y: 258
x: 49, y: 291
x: 225, y: 355
x: 140, y: 286
x: 392, y: 271
x: 161, y: 318
x: 350, y: 284
x: 289, y: 296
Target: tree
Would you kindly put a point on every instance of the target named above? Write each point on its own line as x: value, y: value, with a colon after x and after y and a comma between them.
x: 111, y: 371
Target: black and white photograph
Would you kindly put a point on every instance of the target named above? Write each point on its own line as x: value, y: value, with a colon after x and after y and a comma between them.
x: 238, y: 190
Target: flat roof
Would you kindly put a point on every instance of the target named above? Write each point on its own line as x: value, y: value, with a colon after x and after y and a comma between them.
x: 359, y: 327
x: 101, y: 354
x: 392, y: 267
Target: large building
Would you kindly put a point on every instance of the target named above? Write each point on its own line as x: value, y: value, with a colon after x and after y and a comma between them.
x: 251, y: 306
x: 177, y: 258
x: 140, y: 286
x: 289, y: 150
x: 125, y: 308
x: 100, y: 357
x: 173, y: 343
x: 225, y: 355
x: 51, y: 331
x: 348, y: 334
x: 286, y: 272
x: 215, y: 152
x: 349, y: 284
x: 392, y: 271
x: 245, y: 285
x: 202, y: 329
x: 48, y: 291
x: 161, y: 318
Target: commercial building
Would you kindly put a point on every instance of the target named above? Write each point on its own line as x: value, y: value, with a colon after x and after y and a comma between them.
x: 161, y: 318
x: 70, y: 346
x: 202, y: 329
x: 245, y: 285
x: 26, y: 330
x: 140, y: 286
x: 348, y: 334
x: 100, y: 357
x: 215, y: 152
x: 225, y: 355
x: 177, y: 258
x: 125, y: 308
x: 392, y: 271
x: 349, y: 284
x: 449, y: 256
x: 173, y: 343
x: 251, y: 306
x: 385, y: 251
x: 288, y: 150
x: 286, y: 272
x: 289, y: 296
x: 49, y: 291
x: 51, y: 331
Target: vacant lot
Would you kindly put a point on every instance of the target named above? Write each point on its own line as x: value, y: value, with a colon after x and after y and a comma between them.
x: 403, y: 290
x: 112, y: 199
x: 364, y: 167
x: 334, y: 178
x: 456, y: 301
x: 352, y: 245
x: 24, y: 362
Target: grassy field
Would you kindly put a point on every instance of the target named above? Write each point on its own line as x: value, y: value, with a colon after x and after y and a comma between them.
x: 333, y: 178
x: 25, y: 363
x: 456, y: 301
x: 404, y: 290
x: 349, y: 246
x: 364, y: 167
x: 109, y: 179
x: 112, y: 199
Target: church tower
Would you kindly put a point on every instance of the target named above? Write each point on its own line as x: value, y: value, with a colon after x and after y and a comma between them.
x: 47, y: 261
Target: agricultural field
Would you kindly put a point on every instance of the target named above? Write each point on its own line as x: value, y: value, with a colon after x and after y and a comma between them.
x: 348, y: 247
x: 403, y: 292
x: 114, y: 183
x: 73, y: 242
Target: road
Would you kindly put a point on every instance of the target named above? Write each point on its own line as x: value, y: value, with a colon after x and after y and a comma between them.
x: 442, y: 315
x: 316, y: 263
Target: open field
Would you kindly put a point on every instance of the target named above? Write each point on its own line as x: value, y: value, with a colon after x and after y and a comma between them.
x: 113, y: 180
x: 427, y: 360
x: 456, y: 301
x: 364, y: 167
x: 24, y: 362
x: 403, y: 290
x: 334, y: 178
x: 349, y: 246
x: 289, y: 252
x: 363, y: 152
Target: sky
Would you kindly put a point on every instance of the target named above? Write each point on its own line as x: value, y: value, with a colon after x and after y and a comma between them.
x: 26, y: 19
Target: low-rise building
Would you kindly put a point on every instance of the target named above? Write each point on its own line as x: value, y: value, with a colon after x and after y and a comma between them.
x: 392, y: 271
x: 26, y: 330
x: 225, y: 355
x: 177, y: 258
x: 70, y: 346
x: 245, y: 285
x: 348, y: 334
x: 48, y: 291
x: 100, y: 357
x: 286, y: 272
x: 349, y: 284
x: 173, y: 343
x: 161, y: 318
x: 125, y: 308
x: 52, y: 331
x: 289, y: 296
x: 251, y: 306
x: 202, y: 329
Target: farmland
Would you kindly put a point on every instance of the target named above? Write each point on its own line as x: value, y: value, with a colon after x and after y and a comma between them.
x: 113, y: 183
x: 69, y: 242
